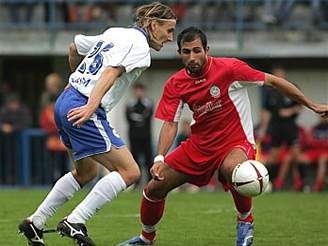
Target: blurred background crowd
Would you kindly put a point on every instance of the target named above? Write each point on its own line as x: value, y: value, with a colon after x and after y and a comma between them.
x: 34, y: 71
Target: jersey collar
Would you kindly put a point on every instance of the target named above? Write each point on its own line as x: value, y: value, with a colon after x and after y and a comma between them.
x: 142, y: 31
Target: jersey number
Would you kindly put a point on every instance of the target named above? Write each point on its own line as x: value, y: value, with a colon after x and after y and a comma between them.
x: 98, y: 58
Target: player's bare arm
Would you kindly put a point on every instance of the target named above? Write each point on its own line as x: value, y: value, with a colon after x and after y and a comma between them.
x: 107, y: 79
x: 74, y: 58
x: 294, y: 93
x: 166, y: 139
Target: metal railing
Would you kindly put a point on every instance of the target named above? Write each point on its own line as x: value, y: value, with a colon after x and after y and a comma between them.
x: 25, y: 159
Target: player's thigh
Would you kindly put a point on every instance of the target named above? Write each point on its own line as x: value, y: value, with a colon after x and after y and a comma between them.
x: 234, y: 157
x: 85, y: 169
x: 120, y: 160
x: 172, y: 179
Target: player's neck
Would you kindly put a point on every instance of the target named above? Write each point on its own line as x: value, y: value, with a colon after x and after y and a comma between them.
x: 202, y: 72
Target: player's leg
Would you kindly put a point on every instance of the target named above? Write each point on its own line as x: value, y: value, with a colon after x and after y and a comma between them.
x: 292, y: 139
x: 243, y: 204
x: 63, y: 190
x: 319, y: 181
x: 124, y: 172
x: 274, y: 154
x: 153, y: 203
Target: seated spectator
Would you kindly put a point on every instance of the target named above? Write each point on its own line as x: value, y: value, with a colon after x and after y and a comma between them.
x: 317, y: 152
x: 278, y: 12
x: 21, y: 11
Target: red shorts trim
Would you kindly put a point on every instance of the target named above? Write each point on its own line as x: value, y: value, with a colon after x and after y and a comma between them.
x: 201, y: 168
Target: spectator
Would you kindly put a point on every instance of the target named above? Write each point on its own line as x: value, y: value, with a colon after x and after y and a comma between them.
x: 316, y: 151
x: 279, y: 117
x: 5, y: 90
x: 14, y: 116
x: 280, y: 12
x: 57, y: 151
x: 53, y: 87
x: 21, y: 11
x: 138, y: 114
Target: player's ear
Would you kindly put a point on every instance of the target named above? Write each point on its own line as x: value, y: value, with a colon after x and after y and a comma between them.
x: 153, y: 24
x: 207, y: 49
x: 179, y: 51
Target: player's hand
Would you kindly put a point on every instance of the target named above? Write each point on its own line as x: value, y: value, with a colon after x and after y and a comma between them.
x: 156, y: 171
x: 80, y: 115
x: 322, y: 110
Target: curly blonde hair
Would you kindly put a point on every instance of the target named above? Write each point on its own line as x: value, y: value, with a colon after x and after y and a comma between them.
x: 154, y: 11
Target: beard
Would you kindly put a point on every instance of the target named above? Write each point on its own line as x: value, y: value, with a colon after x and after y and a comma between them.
x: 194, y: 69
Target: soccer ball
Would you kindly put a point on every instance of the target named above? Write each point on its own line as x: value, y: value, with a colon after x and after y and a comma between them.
x: 250, y: 178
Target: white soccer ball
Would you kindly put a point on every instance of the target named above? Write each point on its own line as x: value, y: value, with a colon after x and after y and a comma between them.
x: 250, y: 178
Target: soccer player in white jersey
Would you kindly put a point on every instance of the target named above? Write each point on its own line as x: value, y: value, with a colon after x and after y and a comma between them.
x: 110, y: 62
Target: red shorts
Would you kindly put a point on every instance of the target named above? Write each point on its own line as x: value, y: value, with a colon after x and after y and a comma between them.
x: 201, y: 168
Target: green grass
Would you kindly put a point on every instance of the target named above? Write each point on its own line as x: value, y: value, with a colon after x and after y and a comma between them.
x: 282, y: 219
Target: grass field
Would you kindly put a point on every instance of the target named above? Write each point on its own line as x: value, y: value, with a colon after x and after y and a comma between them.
x: 282, y: 219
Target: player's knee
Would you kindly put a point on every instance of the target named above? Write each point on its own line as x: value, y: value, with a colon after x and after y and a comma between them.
x: 85, y: 176
x: 131, y: 175
x: 227, y: 170
x: 156, y: 191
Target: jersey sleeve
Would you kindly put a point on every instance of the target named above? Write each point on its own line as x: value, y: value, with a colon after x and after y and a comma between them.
x: 128, y: 54
x: 84, y: 43
x: 245, y: 74
x: 170, y: 105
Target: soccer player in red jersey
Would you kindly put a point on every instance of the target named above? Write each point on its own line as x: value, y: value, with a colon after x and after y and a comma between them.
x: 215, y: 89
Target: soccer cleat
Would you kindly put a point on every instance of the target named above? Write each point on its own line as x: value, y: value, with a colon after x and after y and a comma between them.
x: 33, y: 234
x: 137, y: 240
x: 76, y: 231
x: 245, y: 231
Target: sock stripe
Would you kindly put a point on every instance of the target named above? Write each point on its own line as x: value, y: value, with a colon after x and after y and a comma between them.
x: 150, y: 200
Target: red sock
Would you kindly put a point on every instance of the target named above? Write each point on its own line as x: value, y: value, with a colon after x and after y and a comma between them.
x: 318, y: 185
x: 278, y: 183
x: 151, y: 212
x: 298, y: 183
x: 243, y: 205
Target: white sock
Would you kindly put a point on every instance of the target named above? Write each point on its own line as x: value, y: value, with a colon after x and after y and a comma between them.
x: 62, y: 191
x: 105, y: 190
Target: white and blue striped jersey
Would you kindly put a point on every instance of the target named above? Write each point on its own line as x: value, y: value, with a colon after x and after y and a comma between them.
x: 126, y: 47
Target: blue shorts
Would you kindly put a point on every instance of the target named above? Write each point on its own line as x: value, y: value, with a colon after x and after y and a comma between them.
x: 95, y: 136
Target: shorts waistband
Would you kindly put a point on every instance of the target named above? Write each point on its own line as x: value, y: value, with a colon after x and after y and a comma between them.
x: 76, y: 92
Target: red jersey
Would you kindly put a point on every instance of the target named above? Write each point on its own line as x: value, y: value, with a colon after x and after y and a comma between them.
x: 220, y: 105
